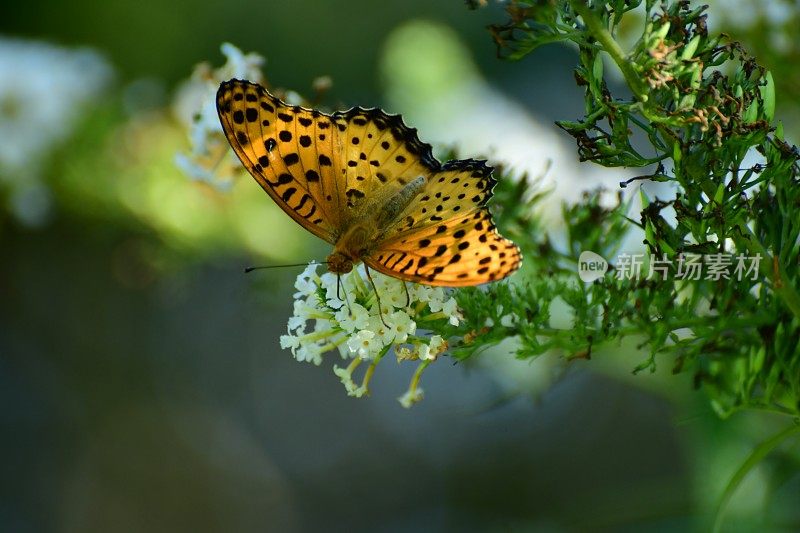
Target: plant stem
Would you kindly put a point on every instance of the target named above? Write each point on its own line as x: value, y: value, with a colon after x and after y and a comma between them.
x: 371, y: 369
x: 612, y: 48
x: 757, y: 455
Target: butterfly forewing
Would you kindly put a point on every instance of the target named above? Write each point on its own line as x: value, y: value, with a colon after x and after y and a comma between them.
x: 380, y: 155
x: 288, y: 150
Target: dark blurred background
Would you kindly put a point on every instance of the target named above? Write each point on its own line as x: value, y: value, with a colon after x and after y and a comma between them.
x: 142, y: 387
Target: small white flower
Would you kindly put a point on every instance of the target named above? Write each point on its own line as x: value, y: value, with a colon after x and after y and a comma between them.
x: 489, y: 323
x: 346, y: 377
x: 289, y: 341
x: 307, y: 282
x: 402, y: 325
x: 353, y: 317
x: 304, y: 309
x: 308, y: 352
x: 240, y: 65
x: 411, y: 397
x: 364, y: 344
x: 329, y: 282
x: 297, y: 323
x: 384, y: 332
x: 425, y: 353
x: 435, y: 298
x: 394, y: 295
x: 437, y: 344
x: 431, y: 351
x: 450, y: 308
x: 323, y: 325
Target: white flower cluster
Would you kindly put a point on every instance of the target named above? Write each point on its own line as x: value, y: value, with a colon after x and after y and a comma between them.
x: 344, y: 315
x: 210, y: 159
x: 44, y: 91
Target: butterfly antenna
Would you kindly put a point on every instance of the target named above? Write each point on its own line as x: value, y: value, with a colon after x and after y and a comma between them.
x: 377, y: 296
x: 250, y: 269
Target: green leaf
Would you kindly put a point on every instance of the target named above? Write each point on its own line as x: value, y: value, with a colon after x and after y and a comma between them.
x: 768, y: 95
x: 690, y: 48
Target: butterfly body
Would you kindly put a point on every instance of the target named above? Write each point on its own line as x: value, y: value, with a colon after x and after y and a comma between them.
x: 360, y: 237
x: 362, y: 180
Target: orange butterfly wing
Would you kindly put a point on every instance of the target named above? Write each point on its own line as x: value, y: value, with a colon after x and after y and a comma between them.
x: 292, y: 153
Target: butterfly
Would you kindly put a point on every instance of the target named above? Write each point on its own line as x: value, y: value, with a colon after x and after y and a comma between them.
x: 363, y: 181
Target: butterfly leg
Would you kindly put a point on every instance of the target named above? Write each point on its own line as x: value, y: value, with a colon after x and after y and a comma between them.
x: 377, y: 296
x: 339, y: 286
x: 408, y: 296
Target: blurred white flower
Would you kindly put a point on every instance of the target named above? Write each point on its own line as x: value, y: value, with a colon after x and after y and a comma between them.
x: 450, y: 309
x: 352, y: 324
x: 411, y: 397
x: 210, y: 158
x: 44, y: 89
x: 508, y: 321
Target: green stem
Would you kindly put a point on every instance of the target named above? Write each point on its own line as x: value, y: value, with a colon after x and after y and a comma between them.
x: 433, y: 316
x: 319, y: 335
x: 612, y: 48
x: 353, y: 365
x: 760, y: 452
x: 371, y: 369
x: 417, y: 375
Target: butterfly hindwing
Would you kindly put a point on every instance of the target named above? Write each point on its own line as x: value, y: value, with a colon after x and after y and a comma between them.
x: 459, y: 251
x: 457, y: 188
x: 287, y: 150
x: 446, y: 235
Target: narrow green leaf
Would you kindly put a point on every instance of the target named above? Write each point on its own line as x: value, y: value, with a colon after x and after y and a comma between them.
x: 768, y: 95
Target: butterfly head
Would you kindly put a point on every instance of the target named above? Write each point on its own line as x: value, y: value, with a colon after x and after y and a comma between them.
x: 339, y: 263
